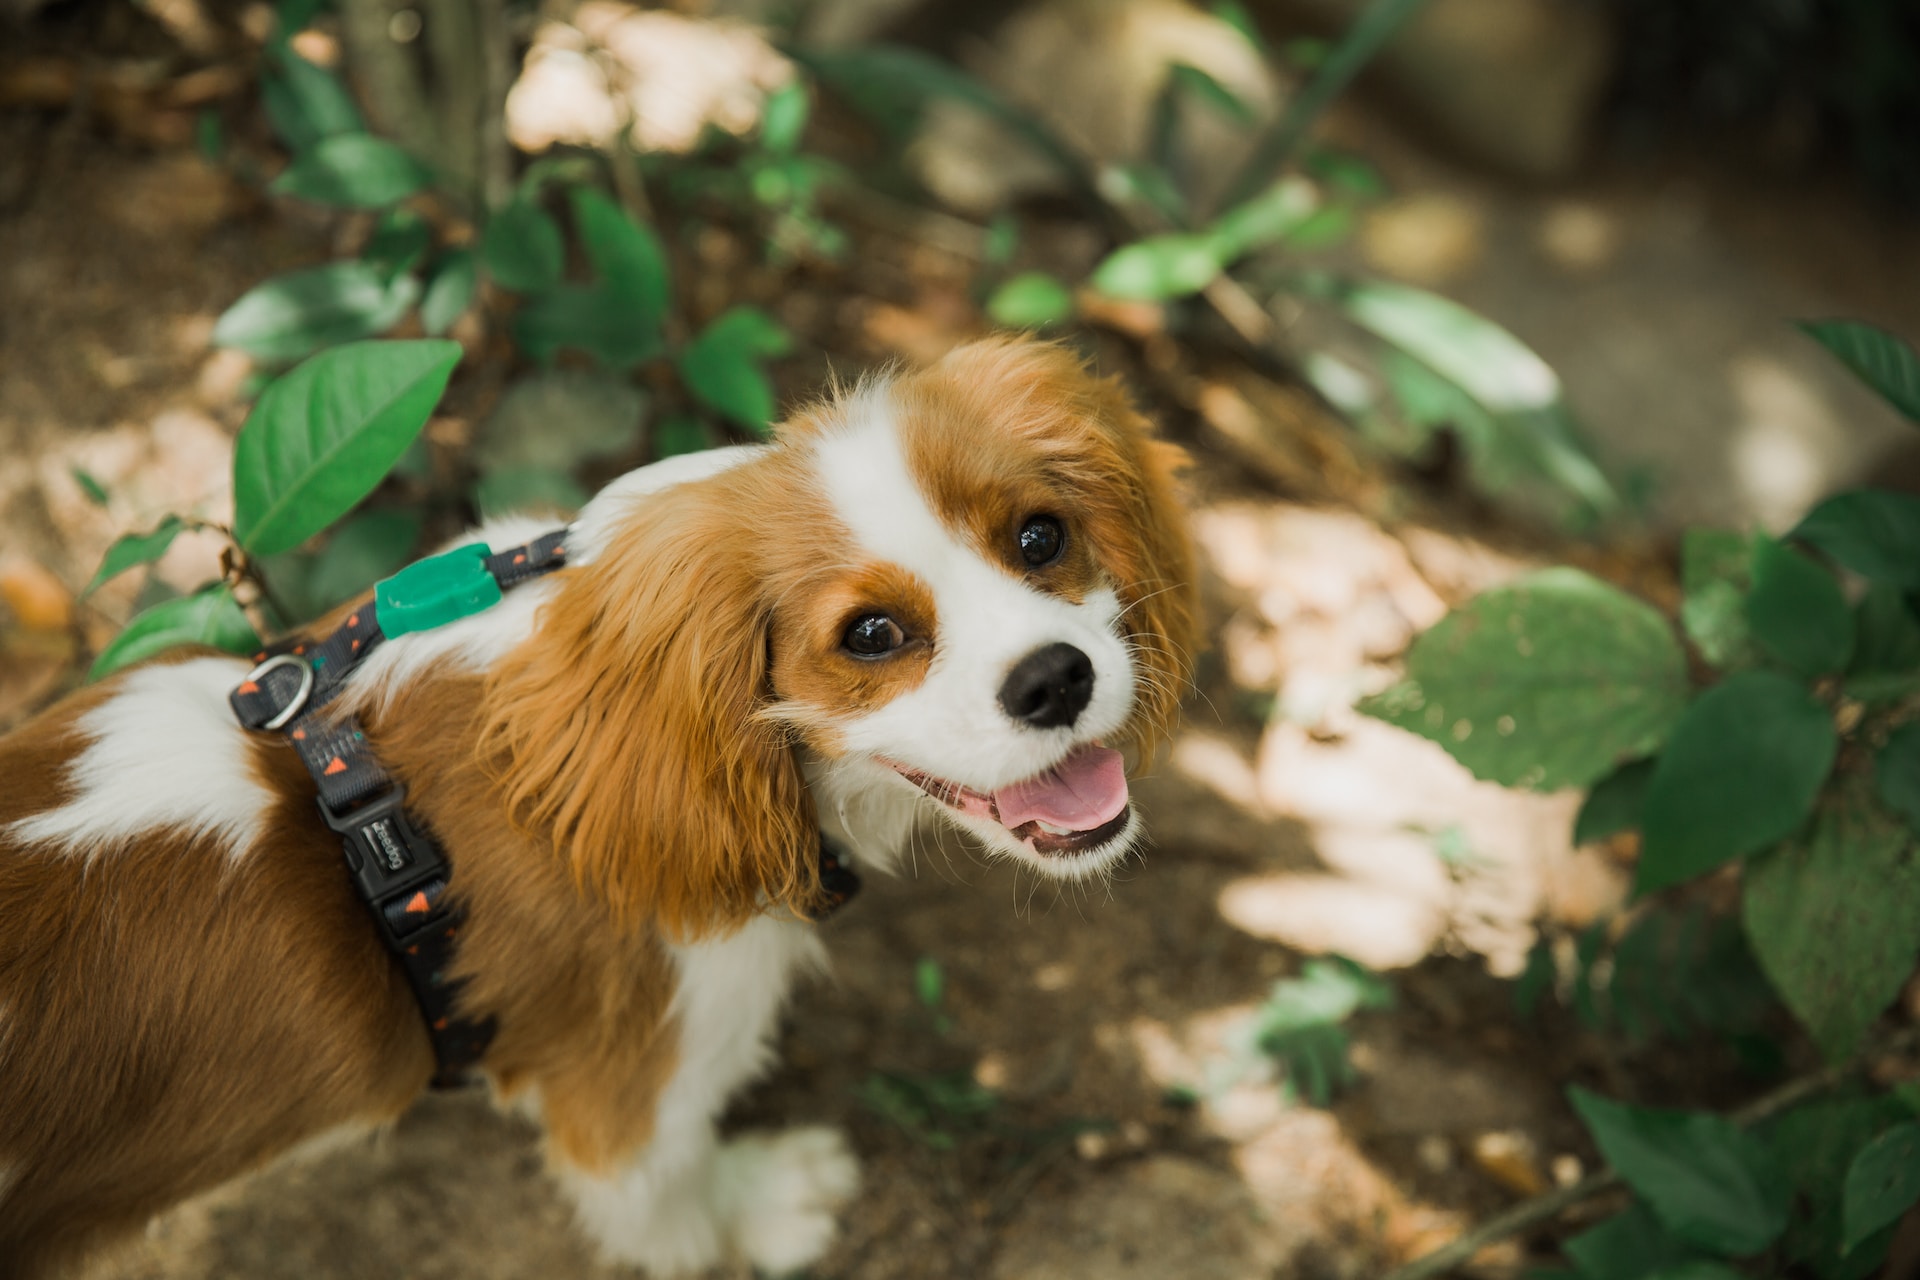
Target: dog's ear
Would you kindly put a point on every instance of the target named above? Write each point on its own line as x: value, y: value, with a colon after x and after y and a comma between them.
x: 1150, y: 552
x: 626, y: 729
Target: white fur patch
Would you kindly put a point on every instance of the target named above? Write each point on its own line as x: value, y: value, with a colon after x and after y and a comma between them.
x: 679, y: 1207
x: 164, y: 752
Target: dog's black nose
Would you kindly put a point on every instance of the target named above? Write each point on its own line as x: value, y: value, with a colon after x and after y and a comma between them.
x: 1049, y: 687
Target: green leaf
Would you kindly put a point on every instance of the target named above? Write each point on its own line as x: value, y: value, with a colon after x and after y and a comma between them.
x: 294, y: 315
x: 135, y: 548
x: 556, y: 420
x: 522, y: 248
x: 1235, y: 15
x: 360, y: 552
x: 1876, y: 357
x: 593, y: 320
x: 1832, y: 918
x: 398, y: 243
x: 1886, y: 656
x: 208, y: 617
x: 1870, y: 531
x: 722, y: 369
x: 1631, y: 1245
x: 1825, y: 1136
x: 304, y: 102
x: 1492, y: 366
x: 1896, y: 773
x: 627, y: 256
x: 1705, y: 1180
x: 1614, y: 804
x: 783, y: 118
x: 1031, y: 300
x: 1740, y: 772
x: 681, y: 433
x: 1716, y: 572
x: 1883, y: 1183
x: 322, y: 436
x: 1549, y: 682
x: 1158, y: 268
x: 1797, y: 612
x: 95, y: 492
x: 530, y: 489
x: 929, y: 982
x: 449, y: 292
x: 1192, y: 82
x: 1269, y: 218
x: 351, y: 171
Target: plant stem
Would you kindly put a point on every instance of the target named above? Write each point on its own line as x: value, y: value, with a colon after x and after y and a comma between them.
x: 1550, y: 1204
x: 1372, y: 29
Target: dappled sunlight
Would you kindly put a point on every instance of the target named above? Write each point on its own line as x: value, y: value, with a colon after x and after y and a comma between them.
x: 654, y: 76
x: 1785, y: 450
x: 1370, y: 922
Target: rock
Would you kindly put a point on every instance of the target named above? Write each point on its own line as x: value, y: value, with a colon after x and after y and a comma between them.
x: 1092, y: 70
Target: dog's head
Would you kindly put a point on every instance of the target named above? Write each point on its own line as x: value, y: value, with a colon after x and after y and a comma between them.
x: 968, y: 586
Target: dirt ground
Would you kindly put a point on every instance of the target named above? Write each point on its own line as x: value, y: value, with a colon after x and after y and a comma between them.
x: 1129, y: 1131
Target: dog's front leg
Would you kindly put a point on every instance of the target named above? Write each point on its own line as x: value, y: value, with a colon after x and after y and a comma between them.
x: 685, y: 1201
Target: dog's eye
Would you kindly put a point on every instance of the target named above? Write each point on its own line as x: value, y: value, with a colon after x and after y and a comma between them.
x: 873, y: 635
x: 1041, y: 540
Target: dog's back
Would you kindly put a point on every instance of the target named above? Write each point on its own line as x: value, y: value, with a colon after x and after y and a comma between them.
x: 142, y: 1054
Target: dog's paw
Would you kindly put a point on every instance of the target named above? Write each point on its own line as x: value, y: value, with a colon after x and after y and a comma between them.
x: 778, y: 1194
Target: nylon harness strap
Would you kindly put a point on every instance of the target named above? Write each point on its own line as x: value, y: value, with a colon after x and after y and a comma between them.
x: 396, y: 866
x: 398, y: 869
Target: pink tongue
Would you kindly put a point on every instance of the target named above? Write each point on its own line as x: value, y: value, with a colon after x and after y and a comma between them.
x: 1083, y: 791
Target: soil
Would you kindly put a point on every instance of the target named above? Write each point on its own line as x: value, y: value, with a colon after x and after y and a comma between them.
x: 1126, y: 1130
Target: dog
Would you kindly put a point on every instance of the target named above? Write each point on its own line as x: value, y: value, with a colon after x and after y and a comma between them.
x: 956, y: 592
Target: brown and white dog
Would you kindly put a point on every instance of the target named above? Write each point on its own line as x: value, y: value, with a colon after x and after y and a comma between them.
x: 954, y: 591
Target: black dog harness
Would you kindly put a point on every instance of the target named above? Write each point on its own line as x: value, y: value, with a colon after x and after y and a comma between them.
x: 397, y: 867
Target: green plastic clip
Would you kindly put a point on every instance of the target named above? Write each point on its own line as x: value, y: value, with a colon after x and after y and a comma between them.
x: 433, y: 592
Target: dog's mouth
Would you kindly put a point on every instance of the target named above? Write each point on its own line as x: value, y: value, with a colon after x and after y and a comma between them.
x: 1077, y: 805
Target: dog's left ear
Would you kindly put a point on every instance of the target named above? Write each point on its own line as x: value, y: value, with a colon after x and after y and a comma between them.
x: 626, y: 726
x: 1150, y: 552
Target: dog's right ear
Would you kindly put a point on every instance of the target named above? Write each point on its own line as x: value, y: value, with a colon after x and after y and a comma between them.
x: 625, y: 728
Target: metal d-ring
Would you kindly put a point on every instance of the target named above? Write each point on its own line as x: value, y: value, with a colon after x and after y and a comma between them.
x: 299, y: 698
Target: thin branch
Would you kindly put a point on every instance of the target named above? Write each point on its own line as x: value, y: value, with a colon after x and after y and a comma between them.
x: 1541, y: 1208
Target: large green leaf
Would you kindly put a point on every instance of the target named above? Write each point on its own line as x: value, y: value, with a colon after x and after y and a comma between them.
x: 352, y: 171
x: 1267, y: 219
x: 590, y: 319
x: 722, y: 369
x: 292, y: 316
x: 1834, y: 918
x: 1501, y: 373
x: 1896, y: 773
x: 1705, y: 1180
x: 304, y: 102
x: 1872, y: 532
x: 207, y: 617
x: 133, y: 549
x: 783, y: 117
x: 1881, y: 360
x: 1740, y: 772
x: 1797, y: 612
x: 1716, y: 572
x: 359, y: 552
x: 1882, y: 1184
x: 1550, y: 682
x: 322, y: 436
x: 522, y: 248
x: 1032, y: 300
